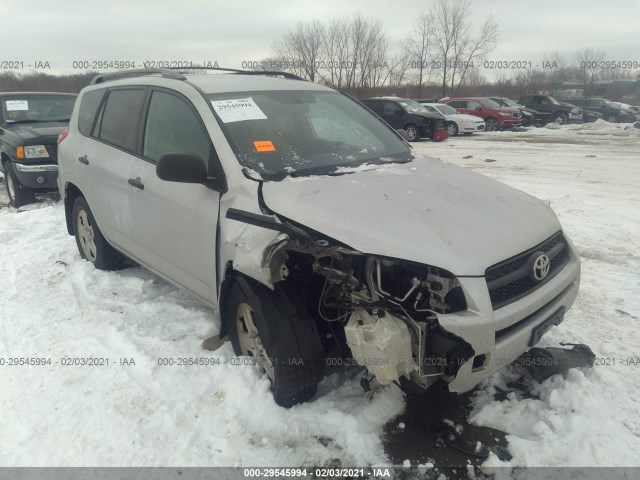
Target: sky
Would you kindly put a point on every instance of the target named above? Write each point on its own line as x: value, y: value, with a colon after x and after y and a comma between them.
x: 233, y: 32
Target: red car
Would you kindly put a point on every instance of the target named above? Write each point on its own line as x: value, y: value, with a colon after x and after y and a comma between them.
x: 495, y: 116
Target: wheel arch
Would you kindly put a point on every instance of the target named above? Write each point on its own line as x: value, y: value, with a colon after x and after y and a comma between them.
x: 71, y: 192
x: 289, y: 332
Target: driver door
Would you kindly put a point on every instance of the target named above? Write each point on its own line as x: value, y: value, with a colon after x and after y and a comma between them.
x: 176, y: 223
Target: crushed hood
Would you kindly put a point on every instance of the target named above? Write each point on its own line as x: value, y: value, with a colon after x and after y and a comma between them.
x: 425, y: 211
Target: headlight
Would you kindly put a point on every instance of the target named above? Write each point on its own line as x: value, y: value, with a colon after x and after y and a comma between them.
x: 32, y: 151
x: 575, y: 111
x: 504, y: 114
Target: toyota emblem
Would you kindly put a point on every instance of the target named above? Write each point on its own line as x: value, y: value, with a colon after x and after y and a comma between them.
x: 541, y: 267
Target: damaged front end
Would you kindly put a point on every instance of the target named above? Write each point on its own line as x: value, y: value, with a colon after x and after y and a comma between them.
x: 377, y: 312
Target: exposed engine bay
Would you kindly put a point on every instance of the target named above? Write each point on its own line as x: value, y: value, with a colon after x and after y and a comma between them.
x: 379, y: 312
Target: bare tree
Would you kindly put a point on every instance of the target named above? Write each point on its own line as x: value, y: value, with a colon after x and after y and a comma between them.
x: 470, y: 50
x: 589, y: 64
x: 419, y: 47
x: 302, y: 48
x: 456, y: 45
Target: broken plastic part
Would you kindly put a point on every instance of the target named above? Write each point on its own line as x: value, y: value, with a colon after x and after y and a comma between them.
x: 543, y: 363
x: 382, y: 344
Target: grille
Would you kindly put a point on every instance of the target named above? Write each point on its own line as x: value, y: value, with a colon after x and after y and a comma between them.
x: 512, y: 279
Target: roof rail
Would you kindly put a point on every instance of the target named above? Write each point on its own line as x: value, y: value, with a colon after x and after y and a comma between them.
x: 167, y: 73
x: 273, y: 73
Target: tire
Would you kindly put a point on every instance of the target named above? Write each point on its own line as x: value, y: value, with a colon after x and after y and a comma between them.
x: 560, y: 118
x: 413, y: 132
x: 610, y: 119
x: 18, y: 194
x: 452, y: 128
x: 291, y: 384
x: 492, y: 124
x: 91, y: 243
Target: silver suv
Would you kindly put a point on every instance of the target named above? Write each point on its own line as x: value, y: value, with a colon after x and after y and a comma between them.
x: 310, y: 225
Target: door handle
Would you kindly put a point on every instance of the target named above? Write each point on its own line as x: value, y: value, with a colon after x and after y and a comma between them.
x: 136, y: 183
x: 84, y: 160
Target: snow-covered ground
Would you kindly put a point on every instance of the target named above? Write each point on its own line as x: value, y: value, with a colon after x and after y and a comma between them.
x: 55, y: 306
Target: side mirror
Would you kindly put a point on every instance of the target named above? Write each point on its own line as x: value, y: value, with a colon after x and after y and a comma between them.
x: 181, y: 167
x: 403, y: 133
x: 479, y: 109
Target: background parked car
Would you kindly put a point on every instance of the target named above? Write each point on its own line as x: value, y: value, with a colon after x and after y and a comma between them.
x: 632, y: 108
x: 610, y: 111
x: 561, y: 113
x: 457, y: 122
x: 529, y: 115
x: 493, y: 114
x: 29, y: 127
x: 407, y: 114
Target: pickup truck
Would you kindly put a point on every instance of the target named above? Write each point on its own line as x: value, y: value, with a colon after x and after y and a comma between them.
x: 29, y: 127
x: 561, y: 113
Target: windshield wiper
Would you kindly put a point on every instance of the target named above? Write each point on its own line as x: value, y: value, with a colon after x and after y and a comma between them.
x: 27, y: 120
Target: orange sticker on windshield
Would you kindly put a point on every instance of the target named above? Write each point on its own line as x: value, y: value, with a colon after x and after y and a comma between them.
x: 264, y: 146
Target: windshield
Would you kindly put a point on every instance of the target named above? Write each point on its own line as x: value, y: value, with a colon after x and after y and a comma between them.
x: 37, y: 108
x: 553, y: 101
x: 412, y: 106
x: 488, y: 103
x: 510, y: 103
x: 446, y: 109
x: 279, y: 133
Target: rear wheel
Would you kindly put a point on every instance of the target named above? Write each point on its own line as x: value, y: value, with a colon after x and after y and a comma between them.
x: 452, y: 128
x: 291, y: 382
x: 413, y: 133
x: 18, y: 194
x: 91, y: 243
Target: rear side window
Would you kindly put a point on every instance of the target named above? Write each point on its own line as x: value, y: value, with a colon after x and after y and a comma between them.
x: 120, y: 118
x: 89, y: 106
x: 173, y: 127
x: 458, y: 104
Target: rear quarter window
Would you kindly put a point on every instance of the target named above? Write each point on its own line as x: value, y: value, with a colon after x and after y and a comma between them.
x: 89, y: 106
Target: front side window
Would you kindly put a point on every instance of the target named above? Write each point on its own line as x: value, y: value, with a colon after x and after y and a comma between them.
x: 37, y: 108
x: 120, y: 118
x: 173, y: 127
x: 488, y: 103
x: 279, y: 133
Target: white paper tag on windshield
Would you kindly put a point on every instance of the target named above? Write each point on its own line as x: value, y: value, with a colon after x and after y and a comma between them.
x: 13, y: 105
x: 237, y: 110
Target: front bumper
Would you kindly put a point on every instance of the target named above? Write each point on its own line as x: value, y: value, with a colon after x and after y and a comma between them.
x: 575, y: 118
x: 500, y: 336
x: 472, y: 127
x: 37, y: 176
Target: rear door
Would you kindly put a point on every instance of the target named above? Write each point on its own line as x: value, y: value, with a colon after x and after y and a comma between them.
x: 106, y: 157
x: 176, y: 223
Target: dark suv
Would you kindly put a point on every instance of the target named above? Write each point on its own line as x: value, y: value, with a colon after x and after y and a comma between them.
x: 29, y: 127
x: 561, y: 113
x: 609, y: 110
x: 407, y: 114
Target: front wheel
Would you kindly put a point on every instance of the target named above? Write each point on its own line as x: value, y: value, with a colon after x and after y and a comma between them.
x: 91, y: 243
x: 492, y: 124
x: 561, y: 119
x: 413, y: 133
x: 293, y: 381
x: 18, y: 194
x: 452, y: 128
